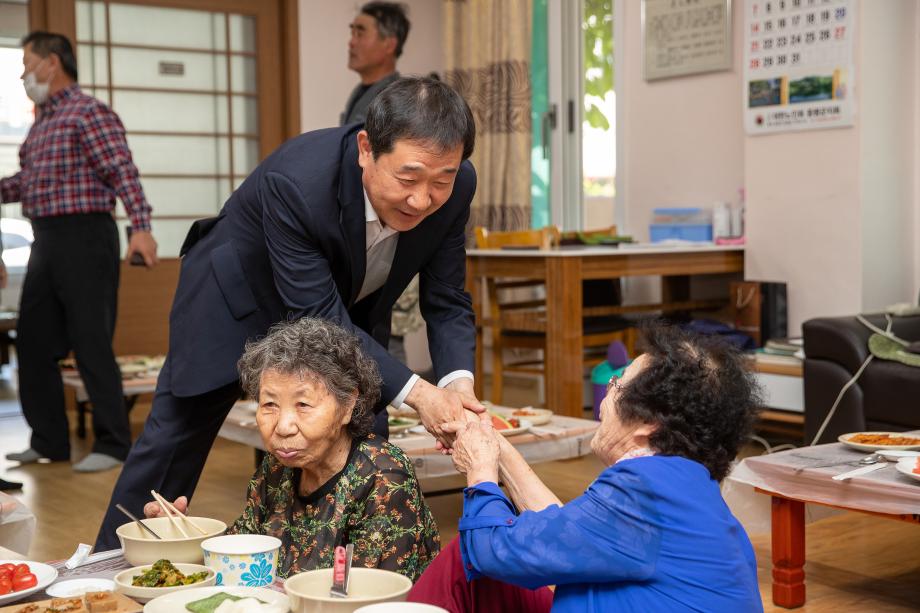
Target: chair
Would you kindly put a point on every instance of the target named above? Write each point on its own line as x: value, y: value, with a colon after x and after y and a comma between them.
x: 518, y: 322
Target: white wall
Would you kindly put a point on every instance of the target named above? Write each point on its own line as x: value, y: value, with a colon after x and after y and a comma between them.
x: 887, y: 152
x: 682, y: 137
x: 325, y: 80
x: 833, y: 213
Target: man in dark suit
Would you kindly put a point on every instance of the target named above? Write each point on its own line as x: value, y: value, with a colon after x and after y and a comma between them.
x: 378, y: 34
x: 332, y: 224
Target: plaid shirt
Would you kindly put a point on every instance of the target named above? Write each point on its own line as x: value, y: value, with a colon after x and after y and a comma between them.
x: 76, y: 160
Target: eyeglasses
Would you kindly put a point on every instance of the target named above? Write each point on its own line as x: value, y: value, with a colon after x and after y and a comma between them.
x: 614, y: 382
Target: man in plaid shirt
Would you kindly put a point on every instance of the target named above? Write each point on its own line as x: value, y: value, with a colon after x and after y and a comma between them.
x: 75, y: 162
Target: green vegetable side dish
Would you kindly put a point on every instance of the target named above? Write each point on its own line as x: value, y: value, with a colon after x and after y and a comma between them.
x: 164, y: 574
x: 210, y: 604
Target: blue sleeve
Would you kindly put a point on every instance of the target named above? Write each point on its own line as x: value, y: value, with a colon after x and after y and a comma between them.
x: 602, y: 536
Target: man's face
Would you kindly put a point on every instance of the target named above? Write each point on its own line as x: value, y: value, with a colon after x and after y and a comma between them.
x: 366, y: 48
x: 409, y: 183
x: 42, y: 66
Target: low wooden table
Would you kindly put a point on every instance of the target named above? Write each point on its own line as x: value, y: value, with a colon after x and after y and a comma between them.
x: 561, y: 439
x: 793, y: 478
x: 132, y: 387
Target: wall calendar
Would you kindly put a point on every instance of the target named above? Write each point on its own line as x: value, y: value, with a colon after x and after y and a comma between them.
x: 798, y: 64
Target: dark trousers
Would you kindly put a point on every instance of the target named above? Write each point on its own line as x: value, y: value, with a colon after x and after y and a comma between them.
x: 69, y: 301
x: 170, y: 453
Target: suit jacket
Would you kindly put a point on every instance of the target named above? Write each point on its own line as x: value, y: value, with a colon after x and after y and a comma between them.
x: 290, y: 242
x: 358, y: 112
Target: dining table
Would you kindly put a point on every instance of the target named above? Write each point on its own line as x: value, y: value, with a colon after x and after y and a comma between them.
x: 563, y: 269
x: 805, y: 475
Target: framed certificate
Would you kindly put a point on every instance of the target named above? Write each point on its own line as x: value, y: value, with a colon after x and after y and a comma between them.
x: 684, y: 37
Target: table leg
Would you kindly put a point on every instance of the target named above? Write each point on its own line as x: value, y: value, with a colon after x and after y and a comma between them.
x: 788, y: 518
x: 564, y: 342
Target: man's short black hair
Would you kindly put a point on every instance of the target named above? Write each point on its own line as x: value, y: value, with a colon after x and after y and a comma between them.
x: 46, y: 43
x: 422, y: 110
x: 391, y: 21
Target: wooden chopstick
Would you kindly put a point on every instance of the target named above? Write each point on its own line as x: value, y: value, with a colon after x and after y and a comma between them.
x: 173, y: 508
x: 173, y: 520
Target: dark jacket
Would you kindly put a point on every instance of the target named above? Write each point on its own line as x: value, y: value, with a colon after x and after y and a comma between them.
x: 290, y: 242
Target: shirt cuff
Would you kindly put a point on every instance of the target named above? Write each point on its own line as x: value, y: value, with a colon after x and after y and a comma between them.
x: 453, y: 376
x: 401, y: 396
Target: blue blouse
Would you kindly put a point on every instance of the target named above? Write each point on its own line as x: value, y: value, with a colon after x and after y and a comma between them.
x: 650, y: 534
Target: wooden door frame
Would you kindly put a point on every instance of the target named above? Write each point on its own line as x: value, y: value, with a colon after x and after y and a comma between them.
x: 281, y: 29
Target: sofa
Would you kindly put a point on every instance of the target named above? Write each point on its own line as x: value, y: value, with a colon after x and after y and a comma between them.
x: 887, y: 395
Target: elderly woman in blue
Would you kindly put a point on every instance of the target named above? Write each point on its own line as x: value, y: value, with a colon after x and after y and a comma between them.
x: 651, y: 533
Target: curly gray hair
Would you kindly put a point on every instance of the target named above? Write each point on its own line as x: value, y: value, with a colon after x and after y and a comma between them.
x: 320, y: 350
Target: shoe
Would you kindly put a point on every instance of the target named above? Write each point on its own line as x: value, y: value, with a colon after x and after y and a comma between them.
x: 29, y: 456
x: 96, y: 462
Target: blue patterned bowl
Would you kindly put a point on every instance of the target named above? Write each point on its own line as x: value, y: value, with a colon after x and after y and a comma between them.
x: 249, y: 560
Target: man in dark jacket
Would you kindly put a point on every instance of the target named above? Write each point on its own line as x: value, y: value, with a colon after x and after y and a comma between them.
x: 333, y: 224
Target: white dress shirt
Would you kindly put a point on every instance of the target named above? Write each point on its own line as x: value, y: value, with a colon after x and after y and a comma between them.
x: 380, y: 248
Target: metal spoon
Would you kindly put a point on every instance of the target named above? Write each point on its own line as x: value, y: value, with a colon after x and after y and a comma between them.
x: 871, y: 459
x: 137, y: 521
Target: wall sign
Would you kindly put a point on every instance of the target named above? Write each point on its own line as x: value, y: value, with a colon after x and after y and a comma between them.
x: 798, y: 64
x: 683, y: 37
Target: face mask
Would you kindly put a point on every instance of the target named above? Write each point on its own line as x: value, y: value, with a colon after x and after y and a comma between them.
x: 37, y: 92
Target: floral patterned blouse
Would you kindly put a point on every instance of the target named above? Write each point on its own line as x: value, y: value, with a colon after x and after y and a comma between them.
x: 375, y: 502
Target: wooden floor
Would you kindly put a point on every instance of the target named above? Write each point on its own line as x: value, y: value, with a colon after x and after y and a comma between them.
x: 855, y: 562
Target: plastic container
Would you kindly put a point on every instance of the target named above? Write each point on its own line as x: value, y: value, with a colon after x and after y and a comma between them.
x: 681, y: 215
x: 681, y: 223
x: 684, y: 232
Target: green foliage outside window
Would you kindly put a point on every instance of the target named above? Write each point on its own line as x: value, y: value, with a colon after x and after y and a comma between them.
x: 598, y: 58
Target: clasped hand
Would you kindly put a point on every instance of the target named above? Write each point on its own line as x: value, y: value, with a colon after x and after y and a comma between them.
x: 476, y: 450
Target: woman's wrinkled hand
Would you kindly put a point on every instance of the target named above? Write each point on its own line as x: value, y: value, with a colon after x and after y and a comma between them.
x: 476, y: 450
x: 153, y: 509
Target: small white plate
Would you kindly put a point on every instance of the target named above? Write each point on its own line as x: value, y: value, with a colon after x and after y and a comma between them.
x: 906, y: 466
x: 176, y: 601
x: 536, y: 417
x: 44, y: 573
x: 73, y: 588
x: 895, y: 455
x: 844, y: 438
x: 524, y: 427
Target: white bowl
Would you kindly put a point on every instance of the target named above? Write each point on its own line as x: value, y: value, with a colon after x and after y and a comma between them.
x: 143, y: 594
x: 141, y: 548
x: 309, y: 591
x: 249, y: 560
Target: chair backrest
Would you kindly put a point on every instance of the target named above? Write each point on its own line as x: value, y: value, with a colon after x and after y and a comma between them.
x: 544, y: 238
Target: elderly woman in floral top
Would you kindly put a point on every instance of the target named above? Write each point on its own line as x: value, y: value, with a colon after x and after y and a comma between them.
x: 326, y: 480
